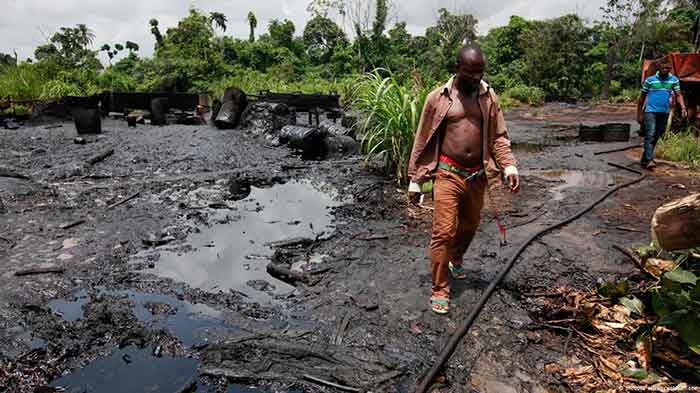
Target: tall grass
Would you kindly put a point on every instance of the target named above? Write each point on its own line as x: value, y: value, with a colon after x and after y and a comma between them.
x: 23, y: 82
x: 530, y: 95
x: 682, y: 147
x: 391, y: 111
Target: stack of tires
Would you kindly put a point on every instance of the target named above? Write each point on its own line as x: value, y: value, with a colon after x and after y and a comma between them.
x: 610, y: 132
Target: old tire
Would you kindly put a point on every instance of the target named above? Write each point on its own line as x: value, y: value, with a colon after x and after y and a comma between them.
x: 616, y: 132
x: 590, y: 134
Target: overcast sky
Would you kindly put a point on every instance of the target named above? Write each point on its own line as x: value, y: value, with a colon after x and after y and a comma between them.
x: 25, y: 24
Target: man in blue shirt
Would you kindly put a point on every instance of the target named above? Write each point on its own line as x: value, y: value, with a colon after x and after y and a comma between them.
x: 658, y: 91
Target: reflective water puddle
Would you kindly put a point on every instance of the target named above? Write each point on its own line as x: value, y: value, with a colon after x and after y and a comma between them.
x: 231, y: 255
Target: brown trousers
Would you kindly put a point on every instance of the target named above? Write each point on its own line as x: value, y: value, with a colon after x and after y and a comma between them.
x: 456, y: 217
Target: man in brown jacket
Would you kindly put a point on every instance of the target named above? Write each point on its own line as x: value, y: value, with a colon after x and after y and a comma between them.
x: 462, y: 142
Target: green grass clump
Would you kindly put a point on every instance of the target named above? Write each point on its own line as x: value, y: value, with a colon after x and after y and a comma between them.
x: 527, y: 94
x: 392, y: 111
x: 683, y: 147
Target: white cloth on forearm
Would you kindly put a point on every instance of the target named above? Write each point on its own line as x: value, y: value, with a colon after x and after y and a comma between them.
x: 510, y: 171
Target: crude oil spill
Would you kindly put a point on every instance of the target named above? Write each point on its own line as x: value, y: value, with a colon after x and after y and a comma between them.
x: 293, y: 209
x: 136, y: 370
x: 577, y: 179
x: 70, y: 310
x: 131, y: 370
x: 186, y: 321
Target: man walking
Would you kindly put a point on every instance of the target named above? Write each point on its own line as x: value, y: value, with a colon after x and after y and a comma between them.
x: 461, y: 141
x: 658, y: 91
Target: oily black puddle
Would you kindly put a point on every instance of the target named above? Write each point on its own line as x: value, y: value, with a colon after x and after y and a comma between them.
x: 70, y: 309
x: 134, y: 369
x: 137, y: 370
x: 187, y: 322
x: 232, y: 254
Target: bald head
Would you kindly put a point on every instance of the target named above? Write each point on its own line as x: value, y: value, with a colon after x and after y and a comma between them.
x: 470, y: 68
x: 470, y: 53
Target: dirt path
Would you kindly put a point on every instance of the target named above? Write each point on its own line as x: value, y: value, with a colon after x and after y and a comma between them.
x: 169, y: 291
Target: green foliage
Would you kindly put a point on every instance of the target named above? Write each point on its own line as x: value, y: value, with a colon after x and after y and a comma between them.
x: 282, y: 33
x: 392, y: 111
x: 676, y: 302
x: 17, y: 109
x: 568, y: 38
x: 681, y: 147
x: 252, y: 82
x: 527, y: 94
x: 7, y: 61
x: 322, y: 37
x: 23, y: 82
x: 253, y: 23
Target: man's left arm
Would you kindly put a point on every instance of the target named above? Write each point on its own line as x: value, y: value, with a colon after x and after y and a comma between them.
x: 681, y: 101
x: 502, y: 152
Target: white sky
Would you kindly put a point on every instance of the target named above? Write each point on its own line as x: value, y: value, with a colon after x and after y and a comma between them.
x: 25, y: 24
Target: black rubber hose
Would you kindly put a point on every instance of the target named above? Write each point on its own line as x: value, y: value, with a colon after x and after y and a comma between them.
x: 449, y: 349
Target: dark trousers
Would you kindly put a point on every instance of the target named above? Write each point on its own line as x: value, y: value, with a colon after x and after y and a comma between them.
x: 654, y: 127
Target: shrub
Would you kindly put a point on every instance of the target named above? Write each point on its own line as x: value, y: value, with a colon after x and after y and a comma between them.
x: 682, y: 147
x: 23, y: 82
x: 527, y: 94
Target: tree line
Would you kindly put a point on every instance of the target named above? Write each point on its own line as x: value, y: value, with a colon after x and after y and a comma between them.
x: 563, y: 56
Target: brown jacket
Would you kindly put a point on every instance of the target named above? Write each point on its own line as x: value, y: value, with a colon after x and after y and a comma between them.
x: 426, y: 147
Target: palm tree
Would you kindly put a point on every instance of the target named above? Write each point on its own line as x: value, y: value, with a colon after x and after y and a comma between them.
x: 87, y: 36
x: 156, y: 32
x: 132, y: 46
x: 219, y: 19
x: 253, y: 24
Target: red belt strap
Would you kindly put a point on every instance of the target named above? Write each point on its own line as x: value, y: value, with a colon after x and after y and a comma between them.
x: 448, y: 160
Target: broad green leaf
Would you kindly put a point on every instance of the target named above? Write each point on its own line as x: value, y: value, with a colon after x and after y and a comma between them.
x: 633, y: 304
x: 658, y: 303
x: 682, y: 276
x: 689, y: 328
x: 695, y: 293
x: 673, y: 318
x: 638, y: 373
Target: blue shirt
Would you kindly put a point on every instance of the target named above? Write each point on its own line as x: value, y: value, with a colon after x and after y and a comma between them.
x: 659, y: 92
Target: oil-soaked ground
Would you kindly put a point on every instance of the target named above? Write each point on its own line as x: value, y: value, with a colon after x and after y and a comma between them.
x: 168, y: 292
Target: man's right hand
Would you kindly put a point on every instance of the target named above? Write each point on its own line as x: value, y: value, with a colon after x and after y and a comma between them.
x: 640, y: 118
x: 414, y: 193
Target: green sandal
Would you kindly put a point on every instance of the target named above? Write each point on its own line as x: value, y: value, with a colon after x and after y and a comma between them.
x: 457, y: 272
x: 440, y: 305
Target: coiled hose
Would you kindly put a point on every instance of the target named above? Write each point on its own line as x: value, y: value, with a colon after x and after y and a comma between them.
x: 446, y: 353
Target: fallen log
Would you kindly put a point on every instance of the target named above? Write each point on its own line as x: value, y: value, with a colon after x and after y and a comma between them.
x: 72, y: 224
x: 123, y: 201
x: 6, y: 172
x: 282, y: 273
x: 629, y: 254
x: 676, y: 225
x: 295, y: 242
x: 100, y: 157
x: 39, y: 270
x: 331, y: 384
x: 373, y: 237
